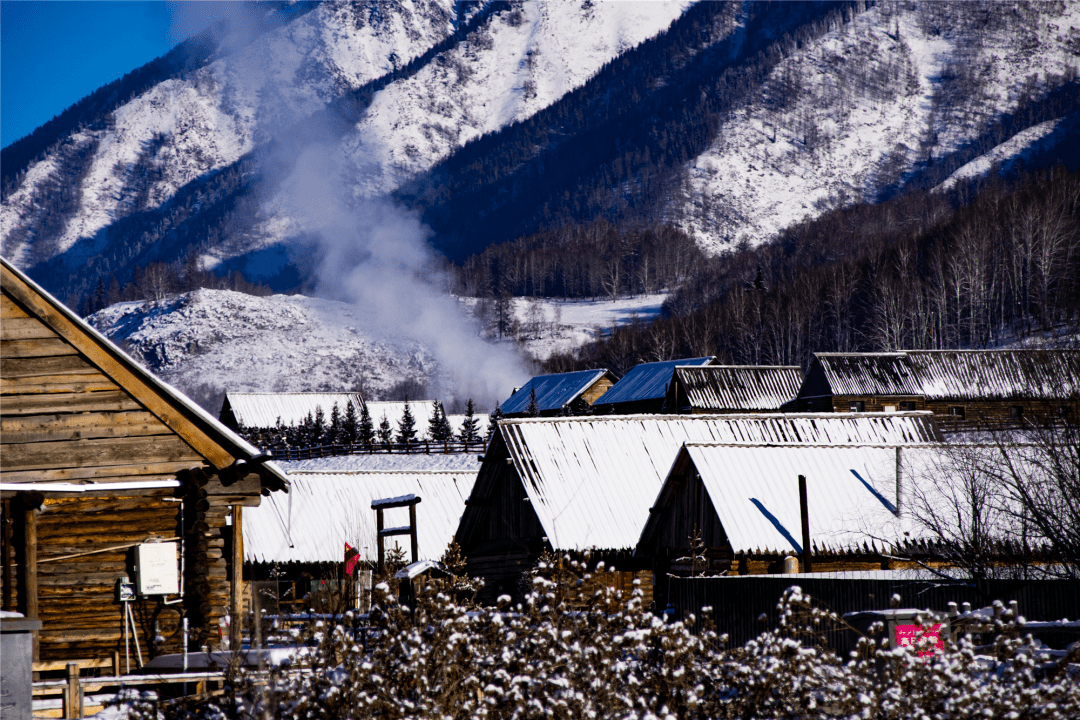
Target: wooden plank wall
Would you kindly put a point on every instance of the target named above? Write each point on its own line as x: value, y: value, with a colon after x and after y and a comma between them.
x: 63, y: 420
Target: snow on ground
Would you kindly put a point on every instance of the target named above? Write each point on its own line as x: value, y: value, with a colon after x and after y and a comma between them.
x: 547, y: 326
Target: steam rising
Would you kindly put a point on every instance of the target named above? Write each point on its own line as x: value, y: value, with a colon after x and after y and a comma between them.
x: 369, y: 252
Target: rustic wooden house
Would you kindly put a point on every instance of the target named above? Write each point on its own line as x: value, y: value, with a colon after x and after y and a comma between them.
x: 577, y: 484
x: 298, y: 540
x: 963, y: 388
x: 103, y: 464
x: 754, y: 510
x: 644, y: 388
x: 712, y: 389
x: 559, y: 394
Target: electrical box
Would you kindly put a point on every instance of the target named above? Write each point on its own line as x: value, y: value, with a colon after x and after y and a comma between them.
x: 155, y: 569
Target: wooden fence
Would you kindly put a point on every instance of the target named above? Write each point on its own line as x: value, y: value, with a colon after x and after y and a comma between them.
x: 745, y: 606
x: 420, y: 447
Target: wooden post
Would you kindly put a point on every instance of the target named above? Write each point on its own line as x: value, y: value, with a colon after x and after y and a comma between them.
x: 236, y: 605
x: 8, y: 559
x: 73, y: 700
x: 116, y: 663
x: 412, y: 532
x: 379, y: 540
x: 29, y: 569
x: 805, y: 513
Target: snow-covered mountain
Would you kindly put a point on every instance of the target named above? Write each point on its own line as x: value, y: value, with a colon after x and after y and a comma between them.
x: 332, y: 150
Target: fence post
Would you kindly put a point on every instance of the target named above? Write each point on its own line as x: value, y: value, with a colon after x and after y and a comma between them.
x: 73, y: 706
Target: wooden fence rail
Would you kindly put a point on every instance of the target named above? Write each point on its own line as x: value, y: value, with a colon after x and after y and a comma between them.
x: 420, y: 447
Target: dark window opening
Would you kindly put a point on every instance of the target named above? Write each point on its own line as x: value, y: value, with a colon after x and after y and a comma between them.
x: 907, y: 405
x: 1016, y: 412
x: 856, y: 406
x: 957, y: 411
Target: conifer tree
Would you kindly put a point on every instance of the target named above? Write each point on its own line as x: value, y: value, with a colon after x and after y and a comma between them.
x: 385, y: 432
x: 439, y: 429
x: 406, y: 430
x: 493, y: 421
x: 335, y: 434
x: 318, y: 428
x: 366, y: 430
x: 350, y: 432
x: 533, y: 410
x: 470, y: 428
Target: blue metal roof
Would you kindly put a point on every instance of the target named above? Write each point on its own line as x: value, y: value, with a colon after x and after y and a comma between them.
x: 552, y: 391
x: 647, y: 381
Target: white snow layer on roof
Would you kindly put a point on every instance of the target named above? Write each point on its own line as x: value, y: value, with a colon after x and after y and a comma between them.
x: 591, y: 481
x: 855, y: 498
x: 323, y: 511
x: 263, y: 410
x: 387, y: 462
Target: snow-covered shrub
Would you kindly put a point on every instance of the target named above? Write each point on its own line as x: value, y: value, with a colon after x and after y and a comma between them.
x: 555, y: 656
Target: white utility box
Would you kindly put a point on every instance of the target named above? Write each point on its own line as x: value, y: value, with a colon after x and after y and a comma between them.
x: 155, y: 569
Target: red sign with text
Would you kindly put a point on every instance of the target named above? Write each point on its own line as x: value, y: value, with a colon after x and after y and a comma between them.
x: 926, y: 638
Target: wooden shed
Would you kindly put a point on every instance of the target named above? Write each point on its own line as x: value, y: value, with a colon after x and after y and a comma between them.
x: 587, y: 483
x: 963, y: 388
x: 559, y: 394
x: 104, y: 464
x: 644, y: 389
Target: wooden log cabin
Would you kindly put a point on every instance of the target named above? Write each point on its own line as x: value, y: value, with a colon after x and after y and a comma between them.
x: 713, y: 389
x: 965, y: 389
x: 103, y: 463
x: 587, y: 483
x: 753, y: 509
x: 571, y: 393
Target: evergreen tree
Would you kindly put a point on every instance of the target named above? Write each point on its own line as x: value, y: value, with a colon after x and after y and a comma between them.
x: 385, y: 433
x: 335, y: 435
x: 318, y: 430
x: 470, y: 428
x: 350, y: 432
x: 533, y: 410
x: 493, y: 421
x: 366, y: 431
x: 406, y: 430
x: 439, y: 429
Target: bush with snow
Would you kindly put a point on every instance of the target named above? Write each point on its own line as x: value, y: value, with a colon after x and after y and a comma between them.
x: 557, y: 656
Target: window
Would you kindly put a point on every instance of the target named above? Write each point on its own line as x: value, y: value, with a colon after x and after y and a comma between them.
x: 889, y: 408
x: 957, y: 411
x: 856, y: 406
x: 1016, y: 412
x: 1063, y: 411
x: 907, y: 405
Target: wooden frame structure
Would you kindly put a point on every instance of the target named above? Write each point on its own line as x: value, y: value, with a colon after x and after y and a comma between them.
x: 100, y: 457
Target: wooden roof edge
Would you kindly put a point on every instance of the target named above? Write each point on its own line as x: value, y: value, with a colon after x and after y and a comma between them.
x: 220, y: 446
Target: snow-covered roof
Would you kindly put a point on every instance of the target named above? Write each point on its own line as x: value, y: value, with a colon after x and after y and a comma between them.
x: 959, y: 374
x: 592, y: 480
x: 262, y: 410
x: 874, y: 497
x: 552, y: 391
x: 323, y: 511
x: 647, y: 381
x: 739, y: 387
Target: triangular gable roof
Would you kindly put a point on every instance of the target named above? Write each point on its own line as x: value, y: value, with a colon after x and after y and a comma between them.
x: 208, y: 437
x: 739, y: 387
x: 553, y: 391
x: 264, y: 409
x: 323, y: 511
x: 858, y: 497
x: 647, y: 381
x: 591, y: 480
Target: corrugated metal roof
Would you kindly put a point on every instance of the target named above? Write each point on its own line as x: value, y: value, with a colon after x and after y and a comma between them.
x: 592, y: 480
x: 647, y: 381
x: 552, y: 391
x: 323, y: 511
x: 853, y: 497
x: 739, y: 387
x: 262, y: 410
x: 959, y: 374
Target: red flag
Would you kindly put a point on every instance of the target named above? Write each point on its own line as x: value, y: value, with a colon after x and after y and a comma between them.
x: 351, y: 559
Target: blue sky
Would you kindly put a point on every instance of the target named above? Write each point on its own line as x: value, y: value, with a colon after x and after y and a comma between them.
x: 52, y: 53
